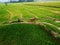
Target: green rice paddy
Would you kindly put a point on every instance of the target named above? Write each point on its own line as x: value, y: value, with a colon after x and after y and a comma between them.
x: 29, y: 34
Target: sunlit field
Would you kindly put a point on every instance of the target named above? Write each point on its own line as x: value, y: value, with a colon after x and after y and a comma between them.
x: 48, y: 15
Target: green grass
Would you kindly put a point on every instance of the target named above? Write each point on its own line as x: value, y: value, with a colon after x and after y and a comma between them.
x: 24, y: 11
x: 25, y: 34
x: 3, y: 15
x: 28, y: 34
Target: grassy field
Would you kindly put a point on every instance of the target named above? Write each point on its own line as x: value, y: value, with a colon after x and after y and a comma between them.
x: 25, y: 34
x: 22, y: 10
x: 29, y: 34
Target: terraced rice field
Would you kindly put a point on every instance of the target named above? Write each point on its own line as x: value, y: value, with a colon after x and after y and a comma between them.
x: 22, y: 10
x: 25, y: 34
x: 29, y: 34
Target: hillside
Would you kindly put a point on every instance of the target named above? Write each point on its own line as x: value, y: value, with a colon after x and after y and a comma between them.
x: 46, y: 12
x: 25, y: 34
x: 13, y: 32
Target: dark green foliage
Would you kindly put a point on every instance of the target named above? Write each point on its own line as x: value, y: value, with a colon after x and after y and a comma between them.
x: 25, y: 34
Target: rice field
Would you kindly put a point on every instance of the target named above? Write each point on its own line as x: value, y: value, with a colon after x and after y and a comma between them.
x: 29, y: 34
x: 44, y: 13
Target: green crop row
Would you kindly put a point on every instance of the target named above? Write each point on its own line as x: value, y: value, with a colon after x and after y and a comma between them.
x: 25, y: 34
